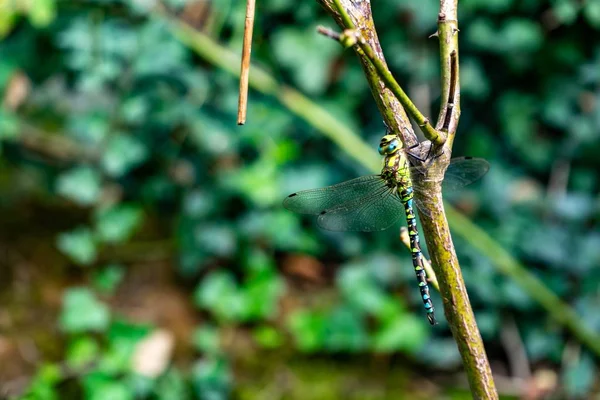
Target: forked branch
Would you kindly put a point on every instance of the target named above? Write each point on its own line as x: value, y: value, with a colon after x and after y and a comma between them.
x: 356, y: 15
x: 353, y: 36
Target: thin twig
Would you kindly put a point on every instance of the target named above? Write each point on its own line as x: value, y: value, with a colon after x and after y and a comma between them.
x: 515, y: 349
x: 435, y: 136
x: 245, y: 66
x: 426, y: 264
x: 328, y: 32
x: 449, y: 73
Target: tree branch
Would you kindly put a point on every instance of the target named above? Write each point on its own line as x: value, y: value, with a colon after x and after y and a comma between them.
x: 393, y: 113
x: 457, y: 306
x: 448, y: 35
x: 354, y: 36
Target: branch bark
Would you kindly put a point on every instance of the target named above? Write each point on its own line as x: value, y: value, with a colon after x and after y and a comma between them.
x: 390, y: 107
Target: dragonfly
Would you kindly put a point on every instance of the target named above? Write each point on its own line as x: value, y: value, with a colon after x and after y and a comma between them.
x: 374, y: 202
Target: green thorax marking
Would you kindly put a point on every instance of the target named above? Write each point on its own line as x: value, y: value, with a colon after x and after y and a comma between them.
x: 395, y: 164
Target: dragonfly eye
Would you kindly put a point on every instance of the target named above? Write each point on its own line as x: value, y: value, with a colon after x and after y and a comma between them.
x: 389, y: 148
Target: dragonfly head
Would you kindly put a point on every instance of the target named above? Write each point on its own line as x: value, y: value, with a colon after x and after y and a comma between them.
x: 389, y: 145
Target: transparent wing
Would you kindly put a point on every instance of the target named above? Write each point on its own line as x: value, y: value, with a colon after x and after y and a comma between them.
x: 375, y: 212
x: 463, y: 171
x: 315, y: 201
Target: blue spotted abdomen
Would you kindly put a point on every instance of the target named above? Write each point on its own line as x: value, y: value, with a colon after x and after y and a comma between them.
x: 406, y: 195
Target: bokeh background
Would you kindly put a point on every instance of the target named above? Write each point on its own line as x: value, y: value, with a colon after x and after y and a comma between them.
x: 144, y: 251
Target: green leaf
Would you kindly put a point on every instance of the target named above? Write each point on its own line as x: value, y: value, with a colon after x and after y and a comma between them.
x: 82, y: 352
x: 89, y: 129
x: 473, y: 79
x: 566, y: 11
x: 80, y: 184
x: 212, y: 379
x: 219, y: 293
x: 259, y: 181
x: 360, y: 289
x: 102, y: 387
x: 43, y: 385
x: 406, y: 333
x: 107, y: 279
x: 579, y: 377
x: 79, y: 245
x: 262, y: 293
x: 42, y: 12
x: 268, y: 337
x: 543, y: 344
x: 307, y: 55
x: 591, y: 10
x: 83, y: 312
x: 441, y: 352
x: 218, y: 239
x: 345, y: 331
x: 207, y: 339
x: 9, y: 125
x: 117, y: 224
x: 308, y: 330
x: 123, y: 339
x: 123, y: 152
x: 521, y: 35
x: 172, y: 386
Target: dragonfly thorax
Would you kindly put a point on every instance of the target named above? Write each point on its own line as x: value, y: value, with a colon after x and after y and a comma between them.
x: 395, y: 170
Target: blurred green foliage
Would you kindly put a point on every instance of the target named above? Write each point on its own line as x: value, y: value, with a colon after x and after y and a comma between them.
x: 106, y: 111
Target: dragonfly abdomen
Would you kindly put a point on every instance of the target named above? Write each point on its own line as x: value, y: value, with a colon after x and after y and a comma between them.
x: 406, y: 195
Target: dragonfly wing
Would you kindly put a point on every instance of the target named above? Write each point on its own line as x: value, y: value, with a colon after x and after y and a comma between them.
x: 315, y: 201
x: 463, y: 171
x: 375, y: 212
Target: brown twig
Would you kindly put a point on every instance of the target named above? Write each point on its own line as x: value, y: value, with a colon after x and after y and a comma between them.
x: 392, y: 111
x: 245, y: 67
x: 354, y: 36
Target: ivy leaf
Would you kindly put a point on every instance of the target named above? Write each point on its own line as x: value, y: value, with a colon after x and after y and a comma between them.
x: 591, y: 10
x: 345, y: 330
x: 307, y: 55
x: 83, y: 312
x: 579, y: 377
x: 212, y: 379
x: 308, y: 330
x: 79, y: 245
x: 268, y: 337
x: 81, y: 352
x: 9, y: 125
x: 206, y: 339
x: 406, y: 333
x: 107, y: 279
x: 117, y: 224
x: 81, y: 185
x: 219, y: 293
x: 98, y: 386
x: 42, y: 12
x: 123, y: 153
